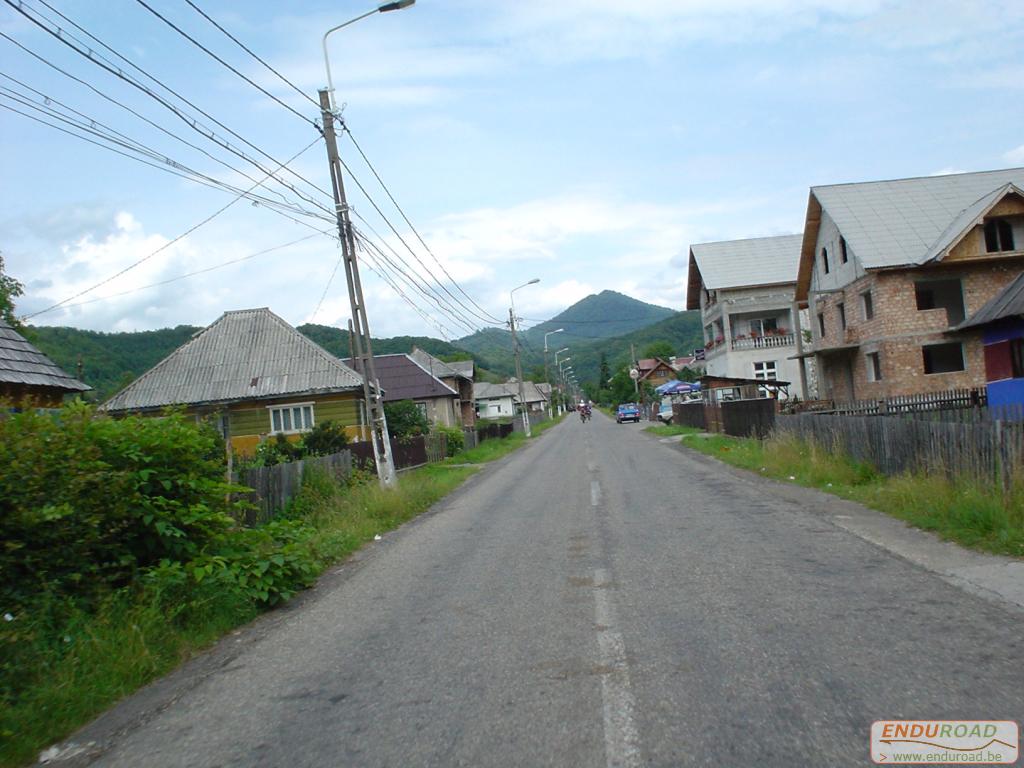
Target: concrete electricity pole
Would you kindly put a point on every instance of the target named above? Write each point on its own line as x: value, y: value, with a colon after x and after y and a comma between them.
x: 360, y: 337
x: 515, y: 349
x: 551, y: 413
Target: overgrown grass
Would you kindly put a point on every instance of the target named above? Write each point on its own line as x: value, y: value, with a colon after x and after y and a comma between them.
x: 495, y: 448
x: 965, y: 511
x: 671, y: 430
x: 69, y: 673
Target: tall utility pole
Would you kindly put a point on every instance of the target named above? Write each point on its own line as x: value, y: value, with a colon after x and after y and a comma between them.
x: 519, y: 372
x: 551, y: 391
x: 360, y: 338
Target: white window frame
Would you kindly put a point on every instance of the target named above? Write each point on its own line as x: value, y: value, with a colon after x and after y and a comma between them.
x: 867, y: 305
x: 873, y: 363
x: 290, y: 407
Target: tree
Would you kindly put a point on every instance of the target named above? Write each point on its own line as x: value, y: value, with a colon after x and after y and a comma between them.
x: 405, y: 420
x: 604, y: 372
x: 662, y: 349
x: 10, y: 289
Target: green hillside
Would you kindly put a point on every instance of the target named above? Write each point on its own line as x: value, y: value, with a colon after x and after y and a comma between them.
x: 109, y: 361
x: 602, y: 316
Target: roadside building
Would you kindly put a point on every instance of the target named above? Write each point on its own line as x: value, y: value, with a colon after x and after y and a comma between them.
x: 256, y: 376
x: 1001, y: 323
x: 888, y: 269
x: 494, y: 401
x: 402, y: 378
x: 28, y: 377
x: 456, y: 376
x: 745, y: 292
x: 655, y: 371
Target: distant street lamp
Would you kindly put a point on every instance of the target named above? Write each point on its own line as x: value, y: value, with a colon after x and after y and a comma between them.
x: 515, y: 349
x: 551, y: 413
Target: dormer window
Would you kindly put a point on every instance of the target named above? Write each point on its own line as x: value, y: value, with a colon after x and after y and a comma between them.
x: 824, y: 259
x: 998, y: 236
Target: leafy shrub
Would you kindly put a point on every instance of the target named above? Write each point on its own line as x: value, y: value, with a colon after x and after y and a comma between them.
x: 405, y: 420
x: 455, y: 440
x: 325, y: 438
x: 87, y: 501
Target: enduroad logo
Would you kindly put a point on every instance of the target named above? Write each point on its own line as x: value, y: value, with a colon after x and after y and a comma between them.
x: 945, y: 742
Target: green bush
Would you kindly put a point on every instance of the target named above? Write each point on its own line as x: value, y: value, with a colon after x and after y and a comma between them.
x: 87, y: 501
x: 455, y: 440
x: 405, y: 420
x: 325, y: 438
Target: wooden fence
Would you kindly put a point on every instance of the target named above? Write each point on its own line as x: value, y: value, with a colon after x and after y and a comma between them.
x: 754, y: 417
x: 273, y: 487
x: 983, y: 449
x: 493, y: 431
x: 950, y: 399
x: 689, y: 415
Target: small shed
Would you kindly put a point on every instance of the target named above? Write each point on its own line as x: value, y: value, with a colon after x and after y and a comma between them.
x: 1001, y: 322
x: 717, y: 389
x: 28, y: 376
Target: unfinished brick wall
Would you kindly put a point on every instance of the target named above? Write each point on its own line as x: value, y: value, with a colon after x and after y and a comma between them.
x: 899, y: 330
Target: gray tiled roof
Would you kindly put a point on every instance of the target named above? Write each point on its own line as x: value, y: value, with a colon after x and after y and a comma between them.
x: 486, y: 391
x: 402, y: 378
x: 433, y: 365
x: 463, y: 367
x: 248, y: 354
x: 21, y: 363
x: 741, y: 263
x: 1009, y: 302
x: 906, y: 221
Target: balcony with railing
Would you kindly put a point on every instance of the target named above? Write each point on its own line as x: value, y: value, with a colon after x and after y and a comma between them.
x: 767, y: 341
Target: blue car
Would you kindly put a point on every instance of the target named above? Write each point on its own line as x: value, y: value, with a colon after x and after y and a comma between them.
x: 628, y: 412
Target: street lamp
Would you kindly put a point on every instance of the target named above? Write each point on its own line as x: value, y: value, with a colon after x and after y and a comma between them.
x: 515, y: 349
x: 384, y: 8
x: 551, y: 413
x: 359, y: 333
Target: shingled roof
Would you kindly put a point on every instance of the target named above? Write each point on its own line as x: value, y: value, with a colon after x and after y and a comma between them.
x: 21, y: 364
x: 742, y: 264
x: 248, y: 354
x: 435, y: 366
x: 402, y: 378
x: 1008, y: 303
x: 903, y: 222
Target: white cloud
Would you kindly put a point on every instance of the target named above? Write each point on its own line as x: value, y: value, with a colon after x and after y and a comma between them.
x: 1015, y: 156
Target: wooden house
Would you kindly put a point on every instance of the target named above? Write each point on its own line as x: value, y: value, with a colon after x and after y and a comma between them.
x: 256, y: 375
x: 28, y: 377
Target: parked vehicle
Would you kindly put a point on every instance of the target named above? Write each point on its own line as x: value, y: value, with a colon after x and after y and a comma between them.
x: 628, y: 412
x: 665, y: 414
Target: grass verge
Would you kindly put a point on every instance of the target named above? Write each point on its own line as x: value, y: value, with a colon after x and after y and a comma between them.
x: 56, y: 675
x: 964, y: 511
x: 671, y: 430
x: 490, y: 450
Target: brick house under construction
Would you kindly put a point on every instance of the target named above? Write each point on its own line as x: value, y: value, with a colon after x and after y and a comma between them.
x: 889, y: 268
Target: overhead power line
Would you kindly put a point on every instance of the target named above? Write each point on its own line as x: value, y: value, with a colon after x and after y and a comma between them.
x: 72, y: 42
x: 405, y: 218
x: 159, y: 250
x: 217, y: 58
x: 198, y: 271
x: 486, y: 320
x: 245, y: 48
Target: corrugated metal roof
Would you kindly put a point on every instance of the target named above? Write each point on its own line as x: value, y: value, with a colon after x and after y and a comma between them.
x: 434, y: 366
x: 486, y: 391
x: 464, y: 368
x: 247, y: 354
x: 905, y: 221
x: 21, y: 363
x: 741, y: 263
x: 1009, y: 302
x: 402, y: 378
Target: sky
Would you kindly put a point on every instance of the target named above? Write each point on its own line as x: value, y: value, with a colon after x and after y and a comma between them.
x: 586, y: 143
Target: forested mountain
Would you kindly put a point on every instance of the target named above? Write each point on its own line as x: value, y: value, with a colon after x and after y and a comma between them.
x: 606, y: 322
x: 602, y: 316
x: 109, y: 361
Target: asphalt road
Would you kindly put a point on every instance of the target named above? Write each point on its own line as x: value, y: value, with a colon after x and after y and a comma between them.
x: 598, y: 598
